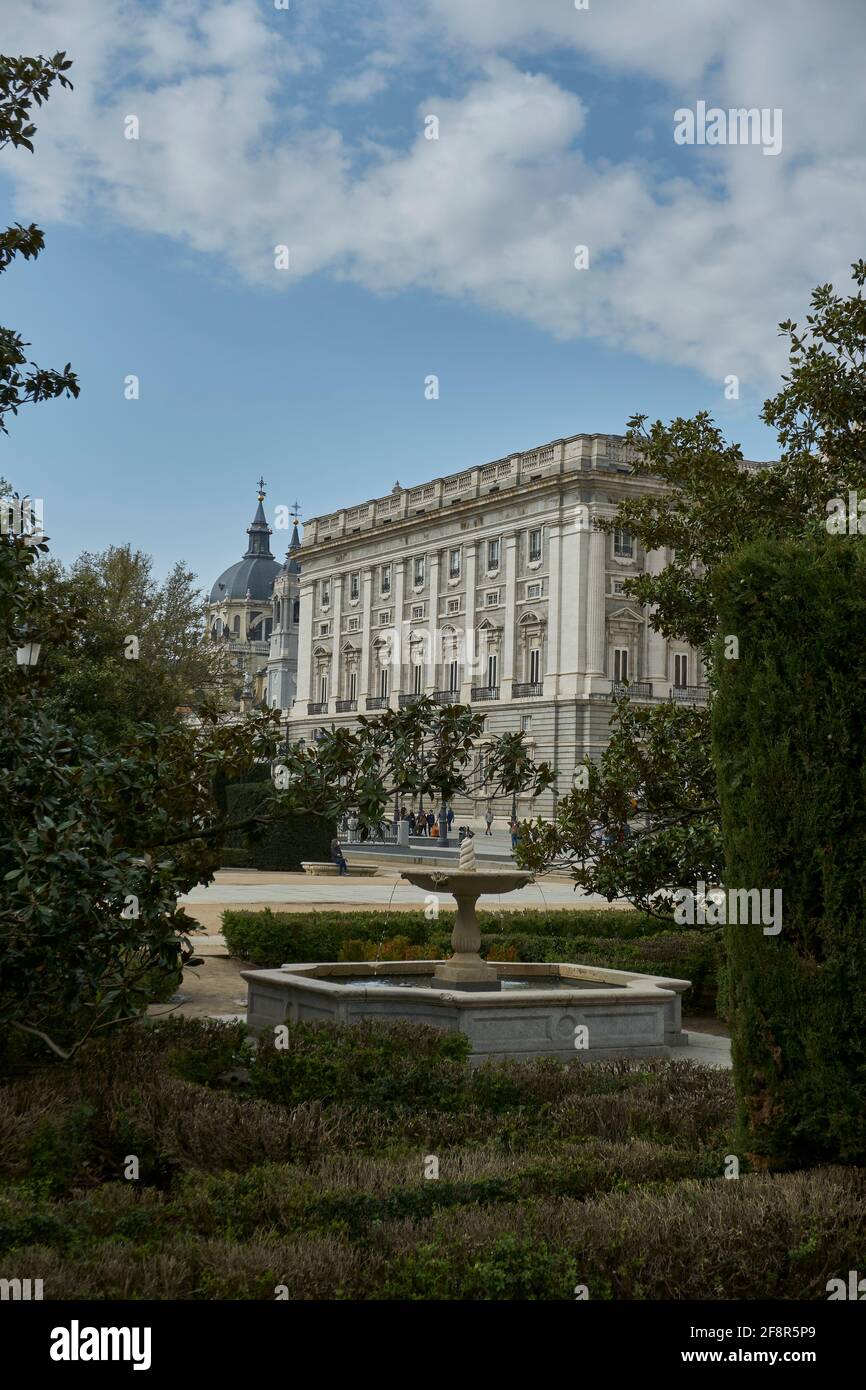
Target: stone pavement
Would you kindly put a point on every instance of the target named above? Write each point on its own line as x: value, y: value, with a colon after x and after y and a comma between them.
x: 235, y: 888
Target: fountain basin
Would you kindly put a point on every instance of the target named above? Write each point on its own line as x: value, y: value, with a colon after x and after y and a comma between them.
x: 539, y: 1013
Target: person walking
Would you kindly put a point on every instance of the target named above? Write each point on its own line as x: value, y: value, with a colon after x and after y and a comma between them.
x: 411, y: 819
x: 515, y: 833
x: 449, y: 818
x: 338, y: 858
x: 488, y: 821
x: 431, y: 821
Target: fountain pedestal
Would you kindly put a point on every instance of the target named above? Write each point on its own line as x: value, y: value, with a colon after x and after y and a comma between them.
x: 466, y: 969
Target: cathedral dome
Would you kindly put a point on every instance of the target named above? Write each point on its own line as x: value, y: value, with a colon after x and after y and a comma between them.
x: 254, y: 574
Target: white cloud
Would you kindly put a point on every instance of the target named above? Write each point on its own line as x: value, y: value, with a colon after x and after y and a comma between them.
x: 238, y: 152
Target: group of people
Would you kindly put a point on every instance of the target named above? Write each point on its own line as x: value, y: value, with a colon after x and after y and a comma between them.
x: 425, y: 822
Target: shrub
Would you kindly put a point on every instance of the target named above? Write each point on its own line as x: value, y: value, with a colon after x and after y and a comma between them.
x: 386, y: 1065
x: 270, y: 939
x: 789, y: 738
x: 284, y: 844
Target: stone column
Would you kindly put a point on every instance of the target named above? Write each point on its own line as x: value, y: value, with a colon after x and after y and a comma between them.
x: 305, y: 646
x: 657, y: 646
x: 432, y: 622
x: 554, y: 587
x: 366, y: 602
x: 471, y: 674
x: 596, y: 625
x: 508, y: 672
x: 334, y: 691
x: 398, y: 571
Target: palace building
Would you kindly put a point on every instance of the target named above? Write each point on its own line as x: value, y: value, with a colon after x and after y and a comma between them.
x: 491, y: 587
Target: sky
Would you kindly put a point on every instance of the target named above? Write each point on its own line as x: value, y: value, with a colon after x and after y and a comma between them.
x: 305, y: 124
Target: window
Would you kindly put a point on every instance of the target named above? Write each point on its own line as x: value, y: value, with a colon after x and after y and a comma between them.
x: 296, y: 611
x: 622, y: 541
x: 352, y: 686
x: 353, y: 625
x: 268, y: 628
x: 493, y: 555
x: 417, y: 610
x: 618, y: 587
x: 454, y: 564
x: 354, y: 585
x: 323, y: 689
x: 277, y: 612
x: 620, y: 664
x: 384, y: 682
x: 418, y: 570
x: 454, y: 605
x: 453, y: 676
x: 384, y: 617
x: 492, y: 671
x: 417, y: 679
x: 326, y: 592
x: 386, y: 579
x: 535, y: 666
x: 681, y: 668
x: 534, y: 546
x: 525, y: 723
x: 236, y: 625
x: 492, y: 598
x: 324, y: 629
x: 533, y: 591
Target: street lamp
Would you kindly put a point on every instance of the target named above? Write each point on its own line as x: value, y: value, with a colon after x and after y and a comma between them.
x: 27, y: 655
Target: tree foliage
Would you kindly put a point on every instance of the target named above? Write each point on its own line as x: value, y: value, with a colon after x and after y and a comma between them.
x: 102, y: 679
x: 25, y: 82
x: 704, y: 504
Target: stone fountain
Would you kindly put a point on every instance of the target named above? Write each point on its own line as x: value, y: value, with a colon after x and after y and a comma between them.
x: 514, y: 1010
x: 466, y: 969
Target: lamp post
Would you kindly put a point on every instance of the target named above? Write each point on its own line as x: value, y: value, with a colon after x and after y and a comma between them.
x: 27, y: 655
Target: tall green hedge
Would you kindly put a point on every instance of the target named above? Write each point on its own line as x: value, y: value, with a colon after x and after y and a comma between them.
x: 285, y: 844
x: 789, y: 736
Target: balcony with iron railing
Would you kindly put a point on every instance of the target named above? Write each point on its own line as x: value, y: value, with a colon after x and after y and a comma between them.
x: 377, y: 702
x: 485, y: 692
x: 635, y: 690
x: 526, y: 690
x: 406, y: 700
x: 446, y: 697
x: 690, y: 694
x: 346, y: 706
x: 317, y: 707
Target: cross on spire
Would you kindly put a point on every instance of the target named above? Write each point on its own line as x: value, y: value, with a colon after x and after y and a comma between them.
x: 261, y: 488
x: 296, y: 510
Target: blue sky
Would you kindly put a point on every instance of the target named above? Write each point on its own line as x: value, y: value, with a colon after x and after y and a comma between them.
x: 408, y: 257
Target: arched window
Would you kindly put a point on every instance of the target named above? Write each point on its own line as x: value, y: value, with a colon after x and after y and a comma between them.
x: 236, y: 624
x: 296, y: 611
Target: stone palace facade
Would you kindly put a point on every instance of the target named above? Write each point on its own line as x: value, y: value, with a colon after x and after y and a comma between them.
x: 491, y: 587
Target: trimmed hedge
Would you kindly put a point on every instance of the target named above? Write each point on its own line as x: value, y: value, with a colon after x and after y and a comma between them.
x: 268, y: 939
x: 789, y: 739
x: 608, y: 1175
x: 283, y: 845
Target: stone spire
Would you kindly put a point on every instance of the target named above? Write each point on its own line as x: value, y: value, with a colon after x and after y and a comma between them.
x: 259, y: 531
